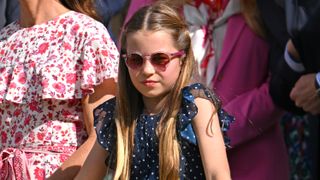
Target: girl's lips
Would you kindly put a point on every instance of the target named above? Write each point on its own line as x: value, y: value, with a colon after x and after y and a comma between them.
x: 149, y: 83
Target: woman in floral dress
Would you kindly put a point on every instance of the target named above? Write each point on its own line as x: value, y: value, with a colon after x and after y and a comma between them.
x: 56, y: 65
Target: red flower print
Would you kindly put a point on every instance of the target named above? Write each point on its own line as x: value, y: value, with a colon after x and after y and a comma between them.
x: 27, y: 120
x: 17, y: 112
x: 33, y: 106
x: 2, y: 70
x: 71, y: 78
x: 18, y: 137
x: 50, y: 115
x: 22, y: 78
x: 43, y: 48
x: 39, y: 173
x: 66, y: 113
x: 4, y: 137
x: 59, y: 87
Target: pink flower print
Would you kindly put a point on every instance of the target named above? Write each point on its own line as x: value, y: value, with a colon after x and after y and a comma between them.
x: 45, y: 83
x: 60, y: 34
x: 71, y: 78
x: 86, y: 65
x: 63, y: 157
x: 57, y: 128
x: 75, y: 29
x: 66, y: 46
x: 39, y: 173
x: 22, y: 78
x: 59, y: 87
x: 40, y: 136
x: 4, y: 137
x: 12, y: 85
x: 64, y: 141
x: 18, y: 137
x: 31, y: 137
x: 43, y: 48
x: 74, y: 128
x: 32, y: 64
x: 12, y: 47
x: 62, y: 21
x: 104, y: 52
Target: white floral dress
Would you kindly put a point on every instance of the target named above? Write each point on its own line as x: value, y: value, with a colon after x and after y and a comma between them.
x: 45, y: 70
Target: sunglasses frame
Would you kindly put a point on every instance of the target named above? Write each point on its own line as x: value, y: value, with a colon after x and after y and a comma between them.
x: 161, y: 66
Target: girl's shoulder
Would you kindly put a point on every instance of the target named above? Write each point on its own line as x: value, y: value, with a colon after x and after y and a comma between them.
x: 198, y: 90
x: 189, y: 110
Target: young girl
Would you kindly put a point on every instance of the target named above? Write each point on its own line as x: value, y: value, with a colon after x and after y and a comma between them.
x: 159, y: 126
x: 56, y: 65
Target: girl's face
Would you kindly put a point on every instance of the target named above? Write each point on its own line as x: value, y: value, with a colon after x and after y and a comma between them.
x: 153, y: 81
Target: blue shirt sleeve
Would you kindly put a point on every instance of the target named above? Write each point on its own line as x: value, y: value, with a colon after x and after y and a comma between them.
x: 104, y: 124
x: 189, y: 110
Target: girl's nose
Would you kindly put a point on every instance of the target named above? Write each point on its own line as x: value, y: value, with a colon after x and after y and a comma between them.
x: 147, y: 67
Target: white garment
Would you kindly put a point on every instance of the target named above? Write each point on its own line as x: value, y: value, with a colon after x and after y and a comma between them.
x: 198, y: 20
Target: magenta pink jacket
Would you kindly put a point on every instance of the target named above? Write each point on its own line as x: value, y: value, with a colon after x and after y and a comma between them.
x: 241, y: 82
x: 135, y: 5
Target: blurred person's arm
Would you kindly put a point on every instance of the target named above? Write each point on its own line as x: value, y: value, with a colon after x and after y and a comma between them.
x: 72, y: 165
x: 305, y: 92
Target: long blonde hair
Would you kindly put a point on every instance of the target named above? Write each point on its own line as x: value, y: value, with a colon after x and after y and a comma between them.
x: 129, y: 105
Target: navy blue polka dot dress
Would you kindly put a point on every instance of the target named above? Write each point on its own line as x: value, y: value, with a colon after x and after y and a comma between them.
x: 145, y: 161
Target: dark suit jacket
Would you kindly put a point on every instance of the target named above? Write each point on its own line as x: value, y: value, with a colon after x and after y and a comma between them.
x: 283, y: 78
x: 306, y: 41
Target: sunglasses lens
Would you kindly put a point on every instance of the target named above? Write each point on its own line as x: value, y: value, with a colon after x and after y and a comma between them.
x: 160, y: 59
x: 134, y: 61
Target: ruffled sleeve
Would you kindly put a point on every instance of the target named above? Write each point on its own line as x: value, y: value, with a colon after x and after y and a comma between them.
x: 94, y: 61
x: 61, y: 61
x: 104, y: 124
x: 189, y: 110
x: 100, y: 59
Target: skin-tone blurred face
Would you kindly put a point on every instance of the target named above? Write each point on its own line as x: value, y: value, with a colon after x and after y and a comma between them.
x: 151, y: 82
